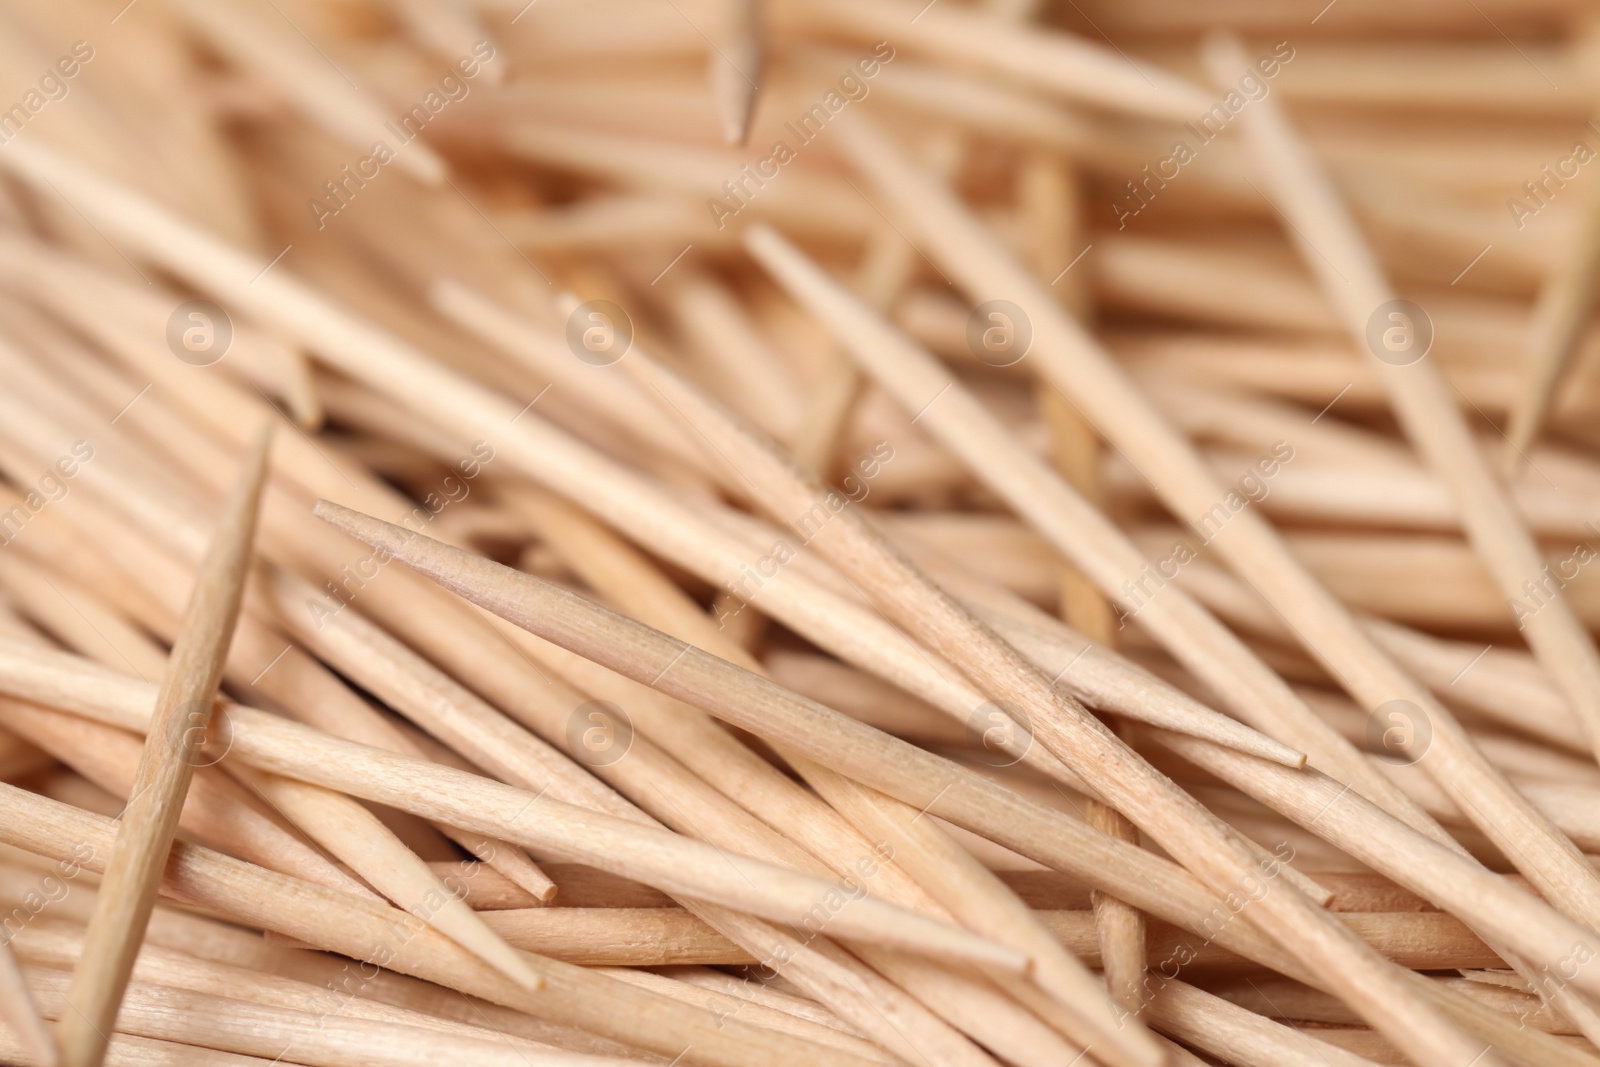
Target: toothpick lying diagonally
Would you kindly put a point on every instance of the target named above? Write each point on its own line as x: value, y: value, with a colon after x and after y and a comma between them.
x: 1559, y: 319
x: 644, y: 853
x: 393, y: 672
x: 177, y: 730
x: 1152, y: 884
x: 1337, y: 253
x: 1077, y: 365
x: 540, y: 449
x: 1057, y: 62
x: 368, y: 930
x: 21, y: 1014
x: 735, y: 67
x: 948, y: 410
x: 621, y: 574
x: 694, y: 676
x: 940, y: 868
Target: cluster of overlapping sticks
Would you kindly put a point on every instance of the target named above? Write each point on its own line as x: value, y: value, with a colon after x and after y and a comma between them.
x: 804, y: 532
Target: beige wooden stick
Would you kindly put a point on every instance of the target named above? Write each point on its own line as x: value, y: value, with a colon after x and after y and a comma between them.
x: 1155, y: 804
x: 625, y: 578
x: 1428, y: 412
x: 735, y: 66
x: 20, y: 1013
x: 177, y: 731
x: 1559, y: 320
x: 951, y: 875
x: 216, y: 811
x: 724, y: 993
x: 350, y: 831
x: 53, y: 943
x: 1155, y: 886
x: 1053, y: 61
x: 546, y: 354
x: 450, y: 31
x: 1048, y: 194
x: 1239, y: 1036
x: 1077, y: 366
x: 313, y: 693
x: 263, y: 39
x: 659, y: 937
x: 676, y: 864
x: 386, y: 936
x: 311, y: 1037
x: 946, y: 409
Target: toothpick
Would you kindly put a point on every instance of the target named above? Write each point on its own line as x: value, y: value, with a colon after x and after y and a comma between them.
x: 182, y: 713
x: 367, y: 931
x: 1560, y: 318
x: 1356, y: 286
x: 270, y: 43
x: 1074, y: 526
x: 1238, y: 1036
x: 217, y: 815
x: 941, y: 867
x: 1077, y: 366
x: 51, y: 942
x: 246, y: 1027
x: 700, y: 679
x: 1053, y: 61
x: 716, y: 991
x: 1156, y: 886
x: 21, y: 1014
x: 735, y: 66
x: 670, y: 862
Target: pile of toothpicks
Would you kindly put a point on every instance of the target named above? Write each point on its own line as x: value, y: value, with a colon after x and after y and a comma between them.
x: 799, y: 533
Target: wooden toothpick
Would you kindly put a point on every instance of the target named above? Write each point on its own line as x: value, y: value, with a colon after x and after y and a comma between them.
x: 694, y: 676
x: 735, y: 67
x: 177, y: 732
x: 21, y: 1014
